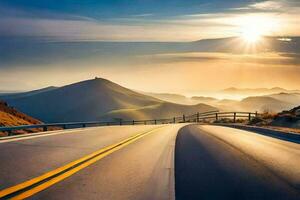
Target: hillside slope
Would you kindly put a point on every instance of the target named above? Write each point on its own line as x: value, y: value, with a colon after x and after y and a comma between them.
x: 9, y: 116
x: 264, y: 104
x: 288, y: 118
x: 256, y: 91
x: 268, y: 103
x: 293, y: 98
x: 157, y: 111
x: 84, y: 101
x: 169, y: 97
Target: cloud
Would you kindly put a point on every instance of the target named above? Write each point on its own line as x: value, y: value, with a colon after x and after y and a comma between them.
x: 182, y: 57
x: 260, y: 59
x: 146, y: 26
x: 268, y: 5
x: 276, y: 5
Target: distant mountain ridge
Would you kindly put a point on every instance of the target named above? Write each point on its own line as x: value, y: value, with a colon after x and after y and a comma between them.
x: 28, y: 93
x: 163, y: 110
x: 257, y: 91
x: 261, y: 100
x: 234, y: 45
x: 95, y: 99
x: 171, y: 97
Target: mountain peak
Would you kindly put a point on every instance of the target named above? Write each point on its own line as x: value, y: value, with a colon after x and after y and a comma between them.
x: 96, y: 99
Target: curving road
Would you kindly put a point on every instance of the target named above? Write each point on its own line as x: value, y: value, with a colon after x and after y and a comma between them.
x: 211, y: 162
x: 214, y: 162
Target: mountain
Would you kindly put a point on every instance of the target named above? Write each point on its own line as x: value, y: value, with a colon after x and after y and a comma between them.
x: 264, y: 104
x: 89, y: 100
x: 181, y: 99
x: 234, y: 45
x: 288, y: 118
x: 274, y: 102
x: 271, y: 103
x: 161, y: 110
x: 256, y: 91
x: 201, y: 99
x: 174, y: 98
x: 293, y: 98
x: 10, y: 116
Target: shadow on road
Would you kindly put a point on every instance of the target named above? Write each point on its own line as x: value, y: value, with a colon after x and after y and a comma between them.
x: 207, y: 168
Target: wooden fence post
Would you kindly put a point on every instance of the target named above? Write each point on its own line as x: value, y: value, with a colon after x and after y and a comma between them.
x: 216, y: 116
x: 174, y: 120
x: 249, y: 117
x: 234, y: 117
x: 132, y: 122
x: 183, y: 118
x: 155, y: 121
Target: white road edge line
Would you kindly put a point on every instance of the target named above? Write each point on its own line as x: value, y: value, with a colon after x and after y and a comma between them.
x: 42, y: 134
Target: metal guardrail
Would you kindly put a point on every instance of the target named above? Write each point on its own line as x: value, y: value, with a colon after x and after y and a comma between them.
x: 198, y: 117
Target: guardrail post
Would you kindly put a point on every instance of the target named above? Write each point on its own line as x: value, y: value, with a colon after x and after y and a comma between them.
x: 198, y: 115
x: 132, y: 122
x: 174, y: 120
x: 155, y: 121
x: 83, y: 125
x: 45, y: 128
x: 255, y: 113
x: 64, y: 126
x: 120, y: 122
x: 9, y: 133
x: 234, y: 117
x: 107, y: 123
x: 217, y: 117
x: 145, y: 122
x: 183, y: 118
x: 249, y: 117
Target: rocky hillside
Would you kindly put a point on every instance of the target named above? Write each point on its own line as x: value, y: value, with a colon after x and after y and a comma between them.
x: 289, y: 118
x: 10, y: 116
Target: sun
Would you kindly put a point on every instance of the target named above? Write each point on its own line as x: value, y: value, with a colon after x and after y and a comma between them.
x: 251, y: 34
x: 253, y: 28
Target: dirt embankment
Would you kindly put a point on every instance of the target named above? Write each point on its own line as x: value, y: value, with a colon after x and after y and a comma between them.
x: 10, y: 116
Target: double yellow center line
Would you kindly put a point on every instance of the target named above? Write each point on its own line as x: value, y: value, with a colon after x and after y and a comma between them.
x: 35, y: 185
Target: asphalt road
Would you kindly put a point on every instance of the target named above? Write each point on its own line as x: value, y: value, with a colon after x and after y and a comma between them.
x: 29, y: 157
x: 142, y: 170
x: 211, y: 162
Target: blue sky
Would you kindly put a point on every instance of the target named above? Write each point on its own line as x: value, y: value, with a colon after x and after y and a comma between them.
x: 108, y: 9
x: 139, y: 20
